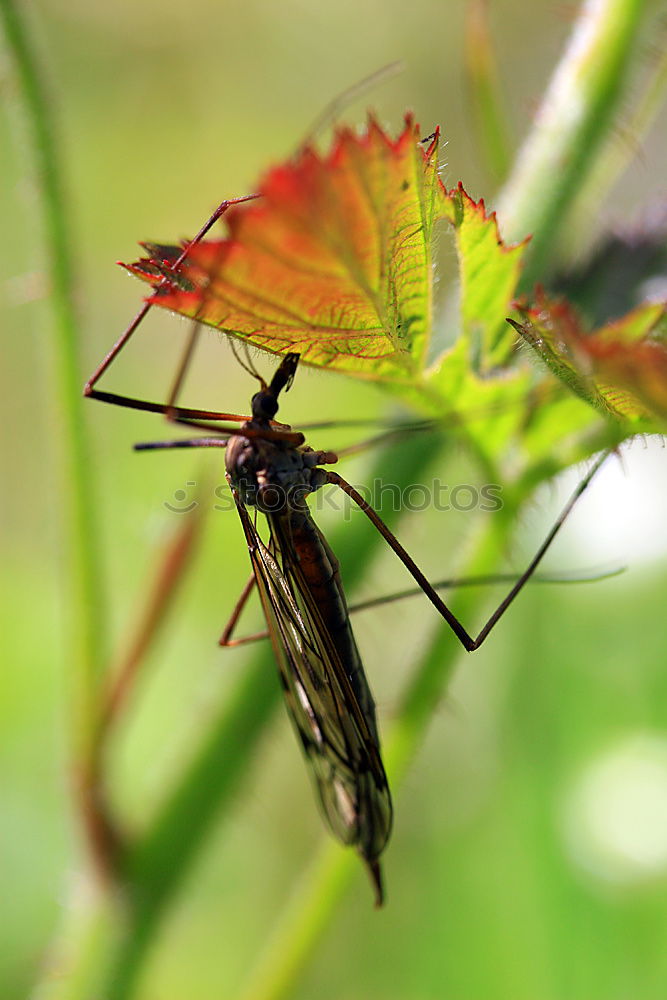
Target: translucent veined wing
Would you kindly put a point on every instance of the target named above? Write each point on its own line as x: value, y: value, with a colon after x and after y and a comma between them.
x: 335, y: 724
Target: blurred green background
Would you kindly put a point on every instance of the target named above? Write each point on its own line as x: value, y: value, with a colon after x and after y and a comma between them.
x: 529, y: 858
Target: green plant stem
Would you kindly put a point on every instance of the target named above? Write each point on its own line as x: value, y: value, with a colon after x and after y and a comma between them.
x: 308, y: 913
x: 80, y: 941
x: 618, y: 151
x: 577, y: 114
x: 82, y: 593
x: 75, y: 966
x: 302, y: 923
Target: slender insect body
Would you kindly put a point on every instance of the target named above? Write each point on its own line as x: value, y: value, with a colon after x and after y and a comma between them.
x: 299, y: 583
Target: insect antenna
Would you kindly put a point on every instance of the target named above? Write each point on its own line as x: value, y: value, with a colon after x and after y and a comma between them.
x: 334, y: 108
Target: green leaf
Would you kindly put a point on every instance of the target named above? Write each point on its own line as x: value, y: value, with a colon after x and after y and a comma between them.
x: 489, y: 271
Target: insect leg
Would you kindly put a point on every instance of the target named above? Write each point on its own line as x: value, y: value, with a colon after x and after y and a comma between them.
x: 459, y: 630
x: 533, y: 564
x: 183, y: 412
x: 393, y: 434
x: 453, y: 583
x: 183, y: 443
x: 457, y: 627
x: 486, y: 580
x: 181, y: 371
x: 89, y: 388
x: 226, y: 637
x: 220, y: 441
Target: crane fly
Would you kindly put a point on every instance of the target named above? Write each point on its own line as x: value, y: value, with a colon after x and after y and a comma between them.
x: 302, y: 597
x: 271, y: 470
x: 299, y: 584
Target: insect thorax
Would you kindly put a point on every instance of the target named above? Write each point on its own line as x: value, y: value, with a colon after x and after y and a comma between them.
x: 272, y: 475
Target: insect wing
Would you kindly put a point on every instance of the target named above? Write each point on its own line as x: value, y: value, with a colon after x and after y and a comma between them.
x: 337, y: 739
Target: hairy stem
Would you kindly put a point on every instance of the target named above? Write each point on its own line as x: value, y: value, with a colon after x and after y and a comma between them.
x: 576, y: 116
x: 618, y: 151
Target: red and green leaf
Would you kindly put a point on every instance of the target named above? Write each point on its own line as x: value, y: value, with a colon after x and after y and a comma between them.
x: 334, y: 260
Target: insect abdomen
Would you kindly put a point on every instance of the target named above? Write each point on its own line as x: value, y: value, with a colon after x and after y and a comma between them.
x: 321, y: 569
